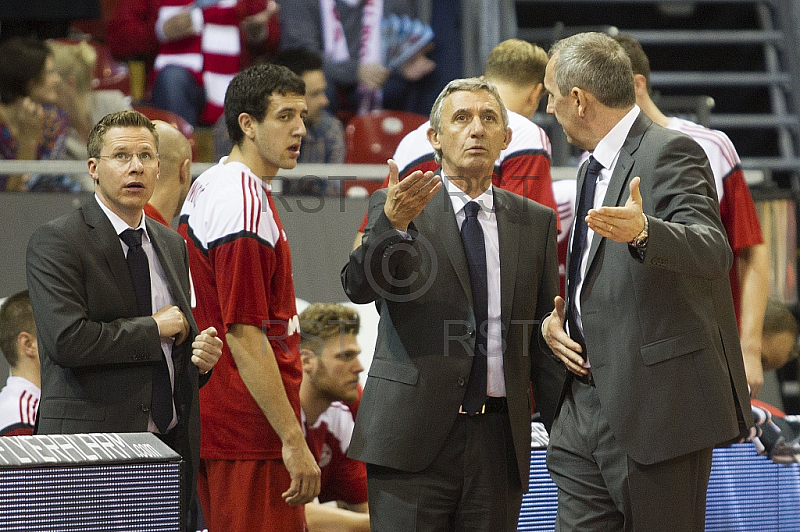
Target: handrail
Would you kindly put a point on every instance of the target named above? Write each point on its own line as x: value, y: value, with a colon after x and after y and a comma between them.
x: 365, y: 172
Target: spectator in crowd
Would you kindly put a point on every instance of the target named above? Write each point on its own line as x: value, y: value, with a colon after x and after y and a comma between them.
x: 347, y: 35
x: 111, y: 362
x: 445, y: 421
x: 85, y: 106
x: 648, y: 331
x: 253, y: 443
x: 749, y: 276
x: 19, y: 398
x: 174, y: 177
x: 32, y: 127
x: 201, y: 46
x: 324, y: 140
x: 75, y: 63
x: 516, y: 68
x: 329, y: 350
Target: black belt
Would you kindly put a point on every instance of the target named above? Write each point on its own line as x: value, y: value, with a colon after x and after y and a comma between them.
x: 587, y: 379
x: 493, y: 405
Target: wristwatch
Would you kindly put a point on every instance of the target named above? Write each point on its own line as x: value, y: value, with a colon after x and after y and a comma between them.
x: 640, y: 242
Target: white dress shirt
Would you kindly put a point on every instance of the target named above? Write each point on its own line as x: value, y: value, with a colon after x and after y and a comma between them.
x: 159, y: 292
x: 606, y: 153
x: 495, y: 379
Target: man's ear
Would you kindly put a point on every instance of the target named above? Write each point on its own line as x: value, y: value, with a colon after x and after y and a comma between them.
x: 581, y: 100
x: 536, y: 95
x: 639, y: 84
x: 307, y: 357
x: 247, y: 124
x: 185, y: 171
x: 433, y: 138
x: 92, y: 165
x: 27, y: 345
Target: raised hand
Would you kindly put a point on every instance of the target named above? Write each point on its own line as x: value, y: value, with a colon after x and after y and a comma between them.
x: 621, y: 224
x: 405, y: 199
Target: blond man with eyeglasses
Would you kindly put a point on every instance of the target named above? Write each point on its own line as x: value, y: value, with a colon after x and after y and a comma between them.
x: 120, y: 350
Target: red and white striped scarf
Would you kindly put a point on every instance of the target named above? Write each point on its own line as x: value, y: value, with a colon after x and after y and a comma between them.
x: 212, y: 54
x: 336, y: 49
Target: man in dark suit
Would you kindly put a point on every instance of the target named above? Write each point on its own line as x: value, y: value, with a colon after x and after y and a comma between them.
x: 656, y: 377
x: 101, y: 350
x: 462, y: 271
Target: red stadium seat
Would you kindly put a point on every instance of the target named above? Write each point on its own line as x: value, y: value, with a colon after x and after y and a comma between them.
x: 176, y: 120
x: 372, y: 139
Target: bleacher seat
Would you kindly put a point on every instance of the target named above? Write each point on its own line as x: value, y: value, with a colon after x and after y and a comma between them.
x: 373, y: 137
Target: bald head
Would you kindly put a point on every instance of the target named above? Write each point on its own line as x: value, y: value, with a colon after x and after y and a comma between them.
x: 175, y: 177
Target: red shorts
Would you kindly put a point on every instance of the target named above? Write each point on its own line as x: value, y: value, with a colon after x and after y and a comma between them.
x: 245, y: 495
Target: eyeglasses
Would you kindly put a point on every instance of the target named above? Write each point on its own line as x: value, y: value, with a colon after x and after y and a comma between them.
x: 123, y: 159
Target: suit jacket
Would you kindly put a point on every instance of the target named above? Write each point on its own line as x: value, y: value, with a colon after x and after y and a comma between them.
x: 660, y: 332
x: 97, y: 354
x: 426, y: 334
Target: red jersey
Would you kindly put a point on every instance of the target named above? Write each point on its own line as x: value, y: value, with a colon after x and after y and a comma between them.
x: 241, y: 270
x: 737, y: 210
x: 343, y: 479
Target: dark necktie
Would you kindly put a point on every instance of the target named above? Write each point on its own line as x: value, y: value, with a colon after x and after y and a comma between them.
x: 475, y: 250
x: 578, y: 244
x: 139, y: 267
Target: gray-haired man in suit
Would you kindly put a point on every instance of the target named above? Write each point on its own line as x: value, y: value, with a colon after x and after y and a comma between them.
x: 464, y: 272
x: 656, y: 376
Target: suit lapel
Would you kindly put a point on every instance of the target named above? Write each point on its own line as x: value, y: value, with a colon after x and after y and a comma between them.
x: 508, y: 235
x: 621, y: 176
x: 441, y: 218
x: 107, y: 241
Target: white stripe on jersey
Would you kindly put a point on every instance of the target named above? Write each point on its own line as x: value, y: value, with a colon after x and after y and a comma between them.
x: 718, y: 147
x: 227, y: 200
x: 19, y: 400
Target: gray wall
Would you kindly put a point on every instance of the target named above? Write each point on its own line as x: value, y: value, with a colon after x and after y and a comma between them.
x: 320, y: 232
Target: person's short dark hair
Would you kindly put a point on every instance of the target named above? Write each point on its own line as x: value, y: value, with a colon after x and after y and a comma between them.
x: 249, y: 92
x: 126, y: 118
x: 22, y: 61
x: 320, y: 322
x: 639, y: 61
x: 16, y: 316
x: 596, y: 63
x: 299, y: 60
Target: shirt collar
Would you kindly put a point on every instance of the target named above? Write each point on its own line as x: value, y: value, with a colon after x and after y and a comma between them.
x: 459, y: 198
x: 607, y: 150
x: 119, y: 224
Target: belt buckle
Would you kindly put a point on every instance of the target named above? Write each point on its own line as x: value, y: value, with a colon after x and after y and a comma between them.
x: 465, y: 413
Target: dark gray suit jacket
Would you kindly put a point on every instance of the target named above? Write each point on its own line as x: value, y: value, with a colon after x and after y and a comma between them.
x: 660, y: 332
x: 426, y: 334
x: 97, y: 355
